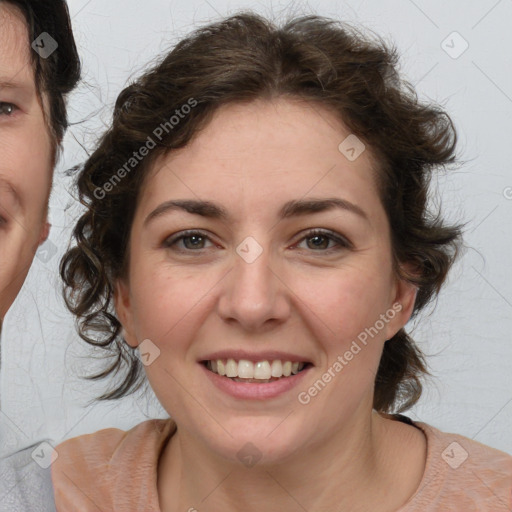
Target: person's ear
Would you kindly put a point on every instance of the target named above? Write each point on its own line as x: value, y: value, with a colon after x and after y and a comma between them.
x: 122, y: 303
x: 402, y: 303
x: 45, y: 233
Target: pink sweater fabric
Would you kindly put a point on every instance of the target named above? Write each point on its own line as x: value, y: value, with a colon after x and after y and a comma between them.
x: 116, y: 471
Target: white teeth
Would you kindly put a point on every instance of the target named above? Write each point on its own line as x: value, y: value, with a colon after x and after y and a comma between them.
x: 277, y: 368
x: 262, y: 370
x: 245, y: 370
x: 231, y: 368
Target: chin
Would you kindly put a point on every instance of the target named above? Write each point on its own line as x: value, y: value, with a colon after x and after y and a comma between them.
x: 257, y: 442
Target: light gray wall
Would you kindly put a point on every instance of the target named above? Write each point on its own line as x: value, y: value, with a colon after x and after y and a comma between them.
x: 468, y: 335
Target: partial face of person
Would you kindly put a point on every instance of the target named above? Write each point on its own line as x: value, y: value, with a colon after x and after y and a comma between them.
x: 25, y: 158
x: 289, y: 262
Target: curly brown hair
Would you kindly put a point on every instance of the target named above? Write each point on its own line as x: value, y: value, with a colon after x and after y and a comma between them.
x: 240, y: 59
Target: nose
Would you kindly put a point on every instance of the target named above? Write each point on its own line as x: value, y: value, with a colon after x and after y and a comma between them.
x: 254, y: 294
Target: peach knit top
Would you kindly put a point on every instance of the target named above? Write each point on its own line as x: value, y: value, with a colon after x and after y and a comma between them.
x: 116, y: 471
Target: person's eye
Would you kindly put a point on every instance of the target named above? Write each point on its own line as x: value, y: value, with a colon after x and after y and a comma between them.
x: 186, y: 241
x: 320, y: 240
x: 7, y: 109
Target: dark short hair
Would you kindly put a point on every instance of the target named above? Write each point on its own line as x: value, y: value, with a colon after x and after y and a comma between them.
x: 58, y: 74
x: 240, y: 59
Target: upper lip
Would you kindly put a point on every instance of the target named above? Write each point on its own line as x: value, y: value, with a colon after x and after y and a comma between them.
x: 269, y: 355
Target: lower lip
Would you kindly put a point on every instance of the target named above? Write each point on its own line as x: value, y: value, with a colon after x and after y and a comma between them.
x: 255, y: 391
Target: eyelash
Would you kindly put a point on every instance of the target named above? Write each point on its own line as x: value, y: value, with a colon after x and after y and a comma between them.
x: 341, y: 242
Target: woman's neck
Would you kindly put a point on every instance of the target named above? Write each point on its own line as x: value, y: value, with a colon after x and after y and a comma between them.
x: 354, y: 470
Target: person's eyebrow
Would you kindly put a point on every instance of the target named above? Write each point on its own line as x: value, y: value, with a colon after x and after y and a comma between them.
x: 307, y: 206
x: 26, y: 88
x: 292, y: 208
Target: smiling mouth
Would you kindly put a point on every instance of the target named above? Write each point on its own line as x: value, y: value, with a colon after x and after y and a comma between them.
x: 261, y: 372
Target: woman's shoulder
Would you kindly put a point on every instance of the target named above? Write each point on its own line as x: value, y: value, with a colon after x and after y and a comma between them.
x: 92, y: 469
x: 109, y: 441
x: 462, y: 472
x: 111, y: 437
x: 25, y: 481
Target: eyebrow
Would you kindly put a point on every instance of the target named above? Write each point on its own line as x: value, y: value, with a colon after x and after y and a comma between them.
x: 5, y: 82
x: 292, y: 208
x: 11, y: 84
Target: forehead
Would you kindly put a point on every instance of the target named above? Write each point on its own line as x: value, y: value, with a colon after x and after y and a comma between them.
x: 16, y: 68
x: 264, y: 150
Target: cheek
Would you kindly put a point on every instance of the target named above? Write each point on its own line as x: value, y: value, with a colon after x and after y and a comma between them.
x: 349, y: 331
x: 345, y: 301
x: 165, y: 301
x: 37, y: 167
x: 26, y: 157
x: 38, y: 197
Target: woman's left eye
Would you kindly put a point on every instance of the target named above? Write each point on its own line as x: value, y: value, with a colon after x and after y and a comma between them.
x: 321, y: 240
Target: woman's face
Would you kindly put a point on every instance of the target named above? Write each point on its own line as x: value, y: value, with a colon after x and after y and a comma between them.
x: 257, y: 285
x: 25, y: 158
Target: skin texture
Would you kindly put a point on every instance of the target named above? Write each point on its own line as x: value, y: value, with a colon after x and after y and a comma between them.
x: 25, y: 158
x: 334, y: 452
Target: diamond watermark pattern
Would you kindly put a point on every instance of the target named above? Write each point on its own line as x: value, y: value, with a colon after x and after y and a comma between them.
x: 454, y: 45
x: 148, y: 352
x: 249, y: 455
x: 45, y: 455
x: 47, y: 251
x: 249, y: 250
x: 352, y: 147
x: 454, y: 455
x: 44, y: 45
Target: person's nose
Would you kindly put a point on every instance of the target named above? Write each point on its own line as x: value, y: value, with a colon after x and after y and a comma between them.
x: 254, y: 294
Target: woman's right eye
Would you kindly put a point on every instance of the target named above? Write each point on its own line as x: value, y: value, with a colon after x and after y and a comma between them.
x: 7, y: 109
